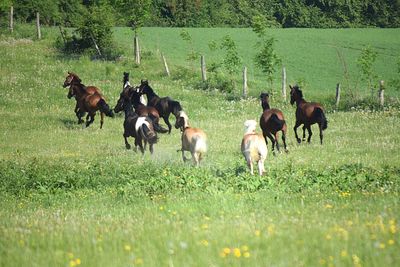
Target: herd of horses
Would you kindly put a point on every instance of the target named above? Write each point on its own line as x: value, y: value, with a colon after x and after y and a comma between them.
x: 142, y: 119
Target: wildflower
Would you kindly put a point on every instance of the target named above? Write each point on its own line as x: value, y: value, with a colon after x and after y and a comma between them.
x: 246, y: 254
x: 204, y: 242
x: 328, y: 237
x: 391, y: 242
x: 356, y: 260
x: 72, y: 263
x: 330, y: 258
x: 78, y: 261
x: 237, y: 253
x: 161, y: 208
x: 392, y: 228
x: 227, y: 251
x: 138, y: 261
x: 245, y: 248
x: 343, y: 253
x: 257, y: 232
x: 382, y: 245
x: 328, y: 206
x: 271, y: 229
x: 127, y: 247
x: 204, y: 226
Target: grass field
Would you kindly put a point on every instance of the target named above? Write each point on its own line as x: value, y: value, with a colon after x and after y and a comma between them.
x: 76, y: 197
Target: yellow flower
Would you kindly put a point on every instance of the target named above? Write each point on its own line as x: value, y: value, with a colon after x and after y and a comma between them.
x: 245, y: 248
x: 382, y: 245
x: 328, y: 237
x: 392, y: 228
x: 330, y: 258
x: 246, y: 254
x: 328, y: 206
x: 392, y: 222
x: 204, y: 242
x: 161, y: 208
x: 237, y: 253
x: 72, y: 263
x: 222, y: 254
x: 138, y: 261
x: 204, y: 226
x: 78, y: 261
x: 226, y: 251
x: 257, y: 232
x: 391, y: 242
x: 127, y: 247
x: 343, y: 253
x: 271, y: 229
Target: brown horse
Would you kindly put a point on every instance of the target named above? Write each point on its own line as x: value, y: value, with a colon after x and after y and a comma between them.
x: 130, y: 94
x: 164, y: 105
x: 271, y: 122
x: 73, y: 80
x: 90, y: 103
x: 307, y: 113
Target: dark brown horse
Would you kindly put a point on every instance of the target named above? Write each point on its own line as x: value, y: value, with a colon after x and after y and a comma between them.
x: 73, y: 80
x: 90, y: 103
x: 164, y: 105
x: 138, y: 127
x: 271, y: 122
x: 131, y: 94
x: 307, y: 113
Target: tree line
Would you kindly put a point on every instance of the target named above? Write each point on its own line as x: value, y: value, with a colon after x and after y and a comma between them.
x: 212, y: 13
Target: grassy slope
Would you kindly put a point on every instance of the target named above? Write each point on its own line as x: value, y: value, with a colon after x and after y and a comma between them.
x: 67, y: 190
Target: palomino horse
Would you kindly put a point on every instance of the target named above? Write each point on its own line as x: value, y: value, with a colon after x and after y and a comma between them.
x: 73, y: 80
x: 89, y: 103
x: 165, y: 105
x: 271, y: 122
x: 130, y: 94
x: 138, y: 127
x: 307, y: 113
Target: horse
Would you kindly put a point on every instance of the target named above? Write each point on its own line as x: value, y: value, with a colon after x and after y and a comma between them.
x: 89, y: 103
x: 73, y: 80
x: 193, y: 139
x: 271, y: 122
x: 138, y: 127
x: 131, y: 94
x: 307, y: 113
x: 126, y: 83
x: 254, y: 147
x: 165, y: 105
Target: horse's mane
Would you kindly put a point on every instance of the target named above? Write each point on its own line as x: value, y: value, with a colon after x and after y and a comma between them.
x: 146, y: 84
x: 297, y: 89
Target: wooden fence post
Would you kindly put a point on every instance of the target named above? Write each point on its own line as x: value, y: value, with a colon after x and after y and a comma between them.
x: 203, y: 69
x: 39, y: 34
x: 381, y: 93
x: 245, y: 82
x: 165, y: 65
x: 284, y: 83
x: 11, y: 19
x: 337, y: 95
x: 137, y: 50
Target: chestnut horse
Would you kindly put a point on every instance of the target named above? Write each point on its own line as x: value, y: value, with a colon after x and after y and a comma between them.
x: 307, y: 113
x: 73, y: 80
x: 271, y: 122
x: 164, y: 105
x: 89, y: 103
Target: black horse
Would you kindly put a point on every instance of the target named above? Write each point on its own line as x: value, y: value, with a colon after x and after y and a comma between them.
x: 164, y: 105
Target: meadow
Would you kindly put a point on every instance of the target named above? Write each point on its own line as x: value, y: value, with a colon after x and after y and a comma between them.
x: 76, y: 197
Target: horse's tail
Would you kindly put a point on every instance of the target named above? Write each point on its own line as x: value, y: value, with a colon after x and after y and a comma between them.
x: 148, y: 134
x: 157, y: 127
x: 278, y: 122
x: 320, y: 118
x: 103, y: 107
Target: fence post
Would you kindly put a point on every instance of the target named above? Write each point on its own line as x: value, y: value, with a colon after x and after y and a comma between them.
x: 337, y: 95
x: 39, y: 34
x: 203, y: 69
x: 11, y: 19
x: 284, y: 83
x: 165, y: 65
x: 137, y: 50
x: 245, y: 82
x: 381, y: 92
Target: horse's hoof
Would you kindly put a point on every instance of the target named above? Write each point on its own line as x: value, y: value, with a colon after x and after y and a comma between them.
x: 286, y: 151
x: 298, y: 140
x: 128, y: 146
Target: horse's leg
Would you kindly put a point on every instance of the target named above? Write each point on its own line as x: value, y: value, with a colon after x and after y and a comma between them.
x: 260, y: 167
x: 295, y: 131
x: 151, y: 148
x: 320, y: 132
x: 271, y: 137
x: 284, y: 141
x: 309, y: 133
x: 250, y: 164
x: 91, y: 115
x: 127, y: 145
x: 276, y: 141
x: 166, y: 119
x: 195, y: 158
x: 101, y: 119
x: 138, y: 142
x: 183, y: 156
x: 304, y: 133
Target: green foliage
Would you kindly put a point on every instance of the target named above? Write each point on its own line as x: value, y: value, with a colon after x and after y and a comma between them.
x: 192, y: 54
x: 232, y: 60
x: 365, y: 62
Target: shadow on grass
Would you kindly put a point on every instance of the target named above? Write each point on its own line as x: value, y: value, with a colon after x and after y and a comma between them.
x: 71, y: 124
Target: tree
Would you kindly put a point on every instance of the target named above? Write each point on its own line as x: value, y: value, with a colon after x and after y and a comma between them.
x: 365, y: 63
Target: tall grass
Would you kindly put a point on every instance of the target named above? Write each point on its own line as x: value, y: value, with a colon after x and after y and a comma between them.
x: 71, y: 196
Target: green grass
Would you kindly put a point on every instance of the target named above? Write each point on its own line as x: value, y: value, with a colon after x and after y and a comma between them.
x: 68, y: 193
